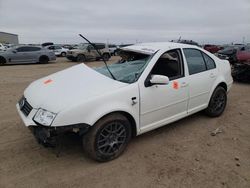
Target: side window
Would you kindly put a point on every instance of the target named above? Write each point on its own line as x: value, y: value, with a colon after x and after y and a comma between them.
x: 57, y: 47
x: 195, y: 61
x: 170, y: 65
x: 51, y: 48
x: 22, y: 49
x: 209, y: 61
x: 32, y: 49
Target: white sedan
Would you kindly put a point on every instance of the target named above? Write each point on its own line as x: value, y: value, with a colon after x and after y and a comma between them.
x: 152, y: 85
x: 58, y: 50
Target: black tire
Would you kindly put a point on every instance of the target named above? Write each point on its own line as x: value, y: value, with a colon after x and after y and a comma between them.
x: 217, y: 102
x: 43, y: 60
x: 63, y: 54
x: 108, y: 138
x: 81, y: 58
x: 2, y: 61
x: 105, y: 57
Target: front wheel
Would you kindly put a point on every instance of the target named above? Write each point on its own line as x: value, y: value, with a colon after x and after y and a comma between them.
x: 105, y: 57
x: 108, y: 138
x: 217, y: 102
x: 80, y: 58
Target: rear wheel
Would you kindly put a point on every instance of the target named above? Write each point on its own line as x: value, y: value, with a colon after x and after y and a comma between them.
x: 63, y: 54
x: 106, y: 57
x: 43, y: 60
x: 81, y: 58
x: 108, y: 138
x: 2, y: 61
x: 217, y: 102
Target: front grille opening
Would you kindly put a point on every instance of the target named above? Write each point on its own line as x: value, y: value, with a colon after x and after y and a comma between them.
x: 25, y: 107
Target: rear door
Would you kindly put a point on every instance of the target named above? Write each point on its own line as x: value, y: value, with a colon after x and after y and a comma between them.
x: 202, y: 75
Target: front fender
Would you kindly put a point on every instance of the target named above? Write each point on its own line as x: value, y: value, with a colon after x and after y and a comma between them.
x: 91, y: 110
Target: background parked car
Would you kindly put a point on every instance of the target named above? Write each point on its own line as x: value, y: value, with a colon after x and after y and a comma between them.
x: 2, y: 47
x: 47, y: 44
x: 243, y: 54
x: 212, y: 48
x: 229, y: 53
x: 68, y: 46
x: 58, y: 50
x: 26, y: 54
x: 112, y: 49
x: 86, y: 52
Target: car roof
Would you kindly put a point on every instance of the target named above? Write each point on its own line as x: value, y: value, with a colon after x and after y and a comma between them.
x: 150, y: 48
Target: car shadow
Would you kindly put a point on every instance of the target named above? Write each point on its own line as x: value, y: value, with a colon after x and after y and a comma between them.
x: 71, y: 144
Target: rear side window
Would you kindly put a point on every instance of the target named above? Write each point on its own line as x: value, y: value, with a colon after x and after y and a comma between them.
x: 32, y: 49
x: 57, y: 47
x: 209, y: 61
x: 195, y: 61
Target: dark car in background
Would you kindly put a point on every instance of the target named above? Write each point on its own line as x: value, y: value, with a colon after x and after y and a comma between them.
x: 243, y: 54
x: 212, y: 48
x: 27, y: 54
x: 229, y: 53
x: 241, y: 69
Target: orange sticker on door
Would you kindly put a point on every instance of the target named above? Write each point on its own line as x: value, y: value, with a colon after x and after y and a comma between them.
x: 175, y: 85
x: 48, y: 81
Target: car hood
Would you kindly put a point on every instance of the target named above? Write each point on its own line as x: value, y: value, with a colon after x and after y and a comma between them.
x: 69, y: 87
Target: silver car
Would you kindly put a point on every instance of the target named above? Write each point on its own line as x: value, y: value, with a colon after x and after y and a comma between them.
x: 27, y: 54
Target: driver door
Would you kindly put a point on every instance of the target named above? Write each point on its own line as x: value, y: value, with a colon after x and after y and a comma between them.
x: 162, y: 104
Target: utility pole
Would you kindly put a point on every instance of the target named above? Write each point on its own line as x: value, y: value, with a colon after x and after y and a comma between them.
x: 243, y: 40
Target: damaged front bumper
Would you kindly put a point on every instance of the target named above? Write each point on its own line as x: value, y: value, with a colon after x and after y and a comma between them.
x: 47, y: 135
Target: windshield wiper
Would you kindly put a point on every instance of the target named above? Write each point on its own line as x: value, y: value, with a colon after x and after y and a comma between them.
x: 99, y: 55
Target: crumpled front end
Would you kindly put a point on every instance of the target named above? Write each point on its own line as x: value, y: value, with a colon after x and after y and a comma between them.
x: 45, y: 135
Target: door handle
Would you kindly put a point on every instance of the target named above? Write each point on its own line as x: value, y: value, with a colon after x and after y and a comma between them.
x: 184, y: 84
x: 212, y: 75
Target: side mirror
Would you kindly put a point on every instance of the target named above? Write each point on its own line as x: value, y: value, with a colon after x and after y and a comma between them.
x: 88, y: 49
x: 159, y: 80
x: 14, y: 51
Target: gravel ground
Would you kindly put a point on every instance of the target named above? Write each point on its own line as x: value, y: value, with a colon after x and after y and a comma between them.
x: 182, y: 154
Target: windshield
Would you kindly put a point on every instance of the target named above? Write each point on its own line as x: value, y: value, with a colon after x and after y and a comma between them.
x: 129, y: 68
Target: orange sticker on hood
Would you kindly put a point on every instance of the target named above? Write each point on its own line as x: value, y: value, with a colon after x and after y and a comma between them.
x: 48, y: 81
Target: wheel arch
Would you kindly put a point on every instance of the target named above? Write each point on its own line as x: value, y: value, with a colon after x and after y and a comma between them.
x: 130, y: 118
x: 222, y: 84
x: 43, y: 56
x: 107, y: 54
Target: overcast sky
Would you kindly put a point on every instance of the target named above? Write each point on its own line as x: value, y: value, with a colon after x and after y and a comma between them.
x: 126, y: 21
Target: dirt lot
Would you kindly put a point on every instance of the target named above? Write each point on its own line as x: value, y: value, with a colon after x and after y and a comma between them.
x: 182, y: 154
